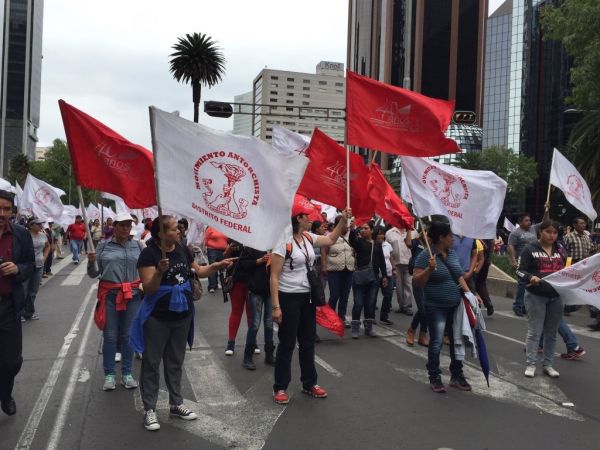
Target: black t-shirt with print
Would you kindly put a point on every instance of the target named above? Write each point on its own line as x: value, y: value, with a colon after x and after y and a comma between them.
x: 178, y: 273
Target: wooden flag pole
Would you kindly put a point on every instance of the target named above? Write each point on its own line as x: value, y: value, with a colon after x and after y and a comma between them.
x: 158, y: 205
x: 85, y: 219
x: 547, y: 204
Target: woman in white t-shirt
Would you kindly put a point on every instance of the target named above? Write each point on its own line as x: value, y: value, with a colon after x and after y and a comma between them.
x: 292, y: 307
x: 41, y: 248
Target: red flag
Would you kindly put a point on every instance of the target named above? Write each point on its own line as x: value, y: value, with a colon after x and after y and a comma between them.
x: 396, y: 120
x: 325, y: 176
x: 104, y: 160
x: 387, y: 203
x: 328, y: 319
x: 303, y: 205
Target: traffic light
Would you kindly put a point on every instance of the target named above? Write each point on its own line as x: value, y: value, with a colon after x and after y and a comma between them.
x: 218, y: 109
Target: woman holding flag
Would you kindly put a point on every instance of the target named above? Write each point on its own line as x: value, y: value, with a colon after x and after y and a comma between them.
x: 293, y: 308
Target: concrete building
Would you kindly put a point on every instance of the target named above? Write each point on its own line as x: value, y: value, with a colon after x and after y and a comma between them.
x: 300, y: 101
x: 20, y: 78
x: 242, y: 123
x: 40, y: 153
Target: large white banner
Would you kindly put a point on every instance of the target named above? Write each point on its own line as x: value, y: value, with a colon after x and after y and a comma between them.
x: 580, y: 283
x: 567, y: 178
x: 40, y: 199
x: 471, y: 199
x: 237, y: 184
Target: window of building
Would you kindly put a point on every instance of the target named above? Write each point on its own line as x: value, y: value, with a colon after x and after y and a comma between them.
x: 305, y: 104
x: 306, y: 88
x: 323, y: 83
x: 339, y: 91
x: 339, y: 84
x: 290, y: 79
x: 289, y: 86
x: 290, y: 94
x: 289, y: 123
x: 289, y: 109
x: 290, y: 102
x: 336, y: 113
x: 323, y: 90
x: 306, y: 81
x: 305, y: 95
x: 274, y: 85
x: 274, y: 77
x: 273, y: 92
x: 274, y: 100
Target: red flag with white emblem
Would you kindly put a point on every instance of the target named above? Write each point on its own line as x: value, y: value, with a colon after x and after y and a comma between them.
x: 104, y: 160
x: 395, y: 120
x: 387, y: 203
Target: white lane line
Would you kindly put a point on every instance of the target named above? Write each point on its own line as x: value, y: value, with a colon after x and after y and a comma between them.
x: 56, y: 268
x: 574, y: 328
x: 76, y: 275
x: 42, y: 401
x: 65, y: 404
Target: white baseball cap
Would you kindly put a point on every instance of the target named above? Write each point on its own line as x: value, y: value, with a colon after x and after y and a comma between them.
x: 123, y: 217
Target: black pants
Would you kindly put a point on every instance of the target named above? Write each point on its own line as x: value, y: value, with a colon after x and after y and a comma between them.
x: 481, y: 285
x: 299, y: 320
x: 11, y: 347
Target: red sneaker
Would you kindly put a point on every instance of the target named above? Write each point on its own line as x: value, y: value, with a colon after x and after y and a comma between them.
x: 280, y: 397
x: 315, y: 391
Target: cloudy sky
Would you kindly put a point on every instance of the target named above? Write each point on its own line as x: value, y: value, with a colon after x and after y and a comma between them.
x: 110, y: 58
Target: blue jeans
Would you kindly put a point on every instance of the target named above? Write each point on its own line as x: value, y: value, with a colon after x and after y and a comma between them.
x: 32, y: 285
x: 340, y: 283
x: 365, y: 296
x: 545, y: 315
x: 439, y: 319
x: 213, y: 255
x: 116, y: 332
x: 386, y: 303
x: 260, y: 306
x: 75, y: 249
x: 567, y: 336
x: 519, y: 303
x: 419, y: 319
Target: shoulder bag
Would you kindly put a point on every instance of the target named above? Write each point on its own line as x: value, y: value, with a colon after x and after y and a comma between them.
x: 364, y: 276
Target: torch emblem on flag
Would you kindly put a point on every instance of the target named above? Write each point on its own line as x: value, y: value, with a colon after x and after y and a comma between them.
x: 396, y: 118
x: 336, y: 175
x: 450, y: 189
x: 43, y: 196
x: 575, y: 187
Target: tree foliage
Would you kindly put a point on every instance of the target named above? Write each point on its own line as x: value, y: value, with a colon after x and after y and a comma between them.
x: 18, y: 168
x: 197, y: 60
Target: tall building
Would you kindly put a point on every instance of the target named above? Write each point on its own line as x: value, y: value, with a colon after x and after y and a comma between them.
x: 434, y: 47
x: 242, y: 123
x: 21, y: 78
x: 300, y: 101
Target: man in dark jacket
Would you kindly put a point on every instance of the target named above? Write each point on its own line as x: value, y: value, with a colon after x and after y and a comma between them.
x: 17, y: 262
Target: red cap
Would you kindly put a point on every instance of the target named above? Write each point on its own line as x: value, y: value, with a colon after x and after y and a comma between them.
x: 301, y: 206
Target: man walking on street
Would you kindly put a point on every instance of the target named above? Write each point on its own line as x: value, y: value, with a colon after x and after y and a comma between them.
x: 77, y: 233
x: 517, y: 240
x: 17, y: 262
x: 401, y: 241
x: 58, y: 241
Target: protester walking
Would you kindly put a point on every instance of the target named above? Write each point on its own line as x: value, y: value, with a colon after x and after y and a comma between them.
x: 401, y: 241
x: 119, y: 297
x: 17, y: 264
x: 96, y: 231
x: 517, y: 240
x: 76, y: 233
x: 441, y: 276
x: 293, y: 307
x: 108, y: 229
x: 388, y: 289
x: 165, y: 319
x: 41, y: 248
x: 57, y: 231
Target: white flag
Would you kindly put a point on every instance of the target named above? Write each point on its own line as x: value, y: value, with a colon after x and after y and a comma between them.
x: 107, y: 213
x: 92, y: 212
x: 405, y: 190
x: 239, y: 185
x: 508, y: 225
x: 18, y: 193
x: 41, y: 199
x: 472, y: 199
x: 285, y: 140
x: 68, y: 216
x: 6, y: 186
x: 120, y: 205
x: 580, y: 283
x: 565, y: 176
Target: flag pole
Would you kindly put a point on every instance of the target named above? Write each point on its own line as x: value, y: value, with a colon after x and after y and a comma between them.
x: 158, y: 205
x: 85, y: 219
x: 347, y: 156
x: 547, y: 204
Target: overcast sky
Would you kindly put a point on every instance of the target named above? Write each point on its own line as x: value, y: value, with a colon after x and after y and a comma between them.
x: 110, y: 58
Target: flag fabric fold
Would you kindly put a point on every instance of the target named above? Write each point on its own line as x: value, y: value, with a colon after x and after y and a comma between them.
x: 508, y: 225
x: 472, y: 199
x: 239, y: 185
x: 104, y: 160
x: 288, y: 141
x: 567, y: 178
x: 325, y: 178
x: 40, y: 199
x: 395, y: 120
x: 387, y: 203
x: 578, y: 284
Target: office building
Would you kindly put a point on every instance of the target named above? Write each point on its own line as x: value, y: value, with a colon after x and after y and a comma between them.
x: 300, y: 101
x: 21, y: 76
x: 40, y: 153
x: 242, y: 123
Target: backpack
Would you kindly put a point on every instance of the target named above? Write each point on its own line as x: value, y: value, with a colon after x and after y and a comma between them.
x: 289, y: 246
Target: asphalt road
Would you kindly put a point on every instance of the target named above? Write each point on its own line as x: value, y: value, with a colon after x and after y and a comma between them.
x: 378, y: 392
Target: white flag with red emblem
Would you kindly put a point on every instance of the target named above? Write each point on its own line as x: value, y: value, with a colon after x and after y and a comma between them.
x: 40, y: 199
x: 287, y: 141
x: 578, y: 284
x: 239, y: 185
x: 567, y: 178
x: 471, y: 199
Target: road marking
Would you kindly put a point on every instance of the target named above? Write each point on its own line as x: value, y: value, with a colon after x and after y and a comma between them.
x: 65, y: 403
x: 508, y: 385
x: 574, y: 328
x: 76, y: 275
x: 56, y: 268
x: 42, y: 401
x: 225, y: 416
x: 328, y: 367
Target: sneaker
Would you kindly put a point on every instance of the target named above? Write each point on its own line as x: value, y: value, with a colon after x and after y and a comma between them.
x: 460, y: 382
x: 256, y: 351
x: 45, y: 275
x: 530, y: 371
x: 23, y: 319
x: 280, y: 397
x: 551, y: 372
x: 437, y: 385
x: 182, y: 412
x: 230, y: 348
x: 386, y: 322
x: 518, y: 312
x: 109, y: 383
x: 128, y: 382
x: 151, y: 421
x: 315, y: 391
x: 212, y: 291
x: 34, y: 317
x: 576, y: 353
x: 117, y: 357
x: 347, y: 324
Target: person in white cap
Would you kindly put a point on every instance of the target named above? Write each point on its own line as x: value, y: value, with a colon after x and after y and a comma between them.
x: 119, y: 297
x: 41, y: 247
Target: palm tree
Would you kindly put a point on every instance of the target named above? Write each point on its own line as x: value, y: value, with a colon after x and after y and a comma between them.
x: 197, y: 60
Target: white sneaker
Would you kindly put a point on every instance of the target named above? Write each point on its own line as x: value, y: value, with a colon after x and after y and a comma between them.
x: 117, y: 357
x: 151, y: 421
x: 551, y: 372
x: 109, y: 383
x: 229, y: 352
x: 182, y: 412
x: 530, y: 371
x: 256, y: 351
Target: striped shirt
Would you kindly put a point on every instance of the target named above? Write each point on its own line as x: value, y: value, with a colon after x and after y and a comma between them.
x: 579, y: 246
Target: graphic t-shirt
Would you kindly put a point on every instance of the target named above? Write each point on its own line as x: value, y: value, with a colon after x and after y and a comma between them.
x: 534, y: 261
x: 293, y: 276
x: 520, y: 238
x: 178, y: 273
